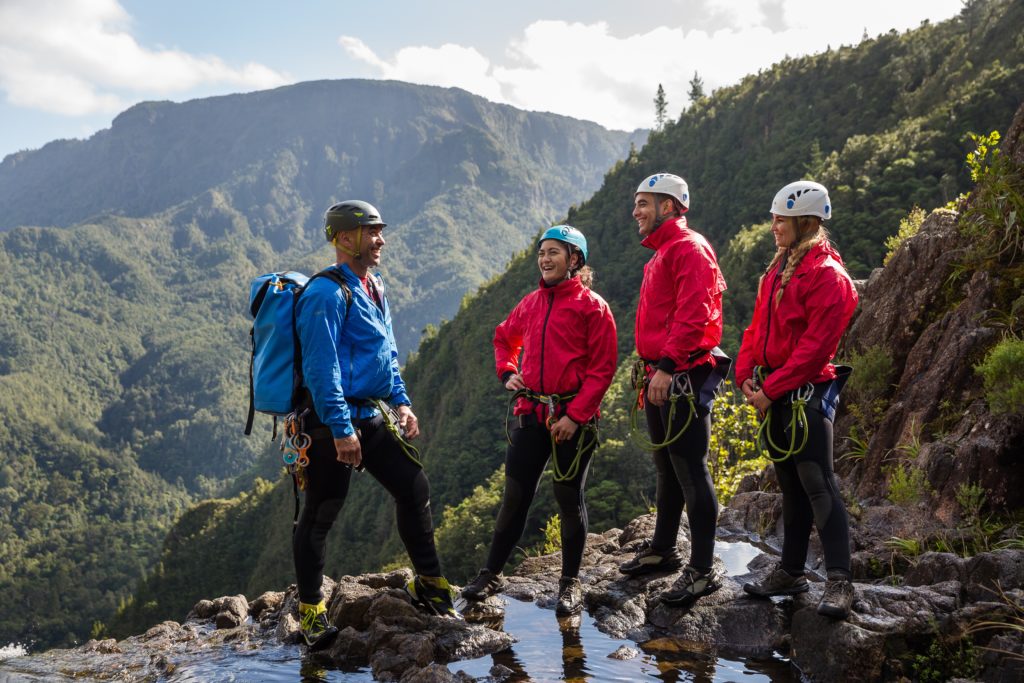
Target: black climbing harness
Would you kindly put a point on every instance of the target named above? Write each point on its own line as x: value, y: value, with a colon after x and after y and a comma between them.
x: 552, y: 403
x: 681, y: 387
x: 822, y: 397
x: 296, y: 442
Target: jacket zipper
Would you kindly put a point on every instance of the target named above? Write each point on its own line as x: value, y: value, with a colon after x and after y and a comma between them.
x: 543, y: 334
x: 768, y: 327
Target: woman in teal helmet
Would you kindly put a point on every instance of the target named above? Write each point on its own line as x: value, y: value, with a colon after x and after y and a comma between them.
x: 557, y: 351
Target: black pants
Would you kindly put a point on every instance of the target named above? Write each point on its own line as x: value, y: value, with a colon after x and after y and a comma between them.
x: 327, y: 482
x: 525, y: 460
x: 684, y: 479
x: 810, y: 495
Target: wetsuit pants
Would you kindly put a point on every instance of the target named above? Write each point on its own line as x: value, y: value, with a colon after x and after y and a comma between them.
x: 810, y: 495
x: 683, y: 478
x: 327, y: 482
x: 525, y: 460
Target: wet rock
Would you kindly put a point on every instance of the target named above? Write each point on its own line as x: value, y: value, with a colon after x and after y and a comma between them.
x: 759, y: 512
x: 162, y: 664
x: 351, y: 646
x: 624, y: 652
x: 500, y: 673
x: 489, y: 611
x: 164, y: 631
x: 269, y: 601
x: 350, y: 604
x: 396, y: 579
x: 204, y: 609
x: 106, y: 647
x: 434, y: 673
x: 885, y: 625
x: 455, y: 640
x: 226, y: 612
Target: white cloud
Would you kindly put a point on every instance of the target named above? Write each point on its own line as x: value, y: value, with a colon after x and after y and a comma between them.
x: 584, y: 71
x: 77, y: 57
x: 448, y: 66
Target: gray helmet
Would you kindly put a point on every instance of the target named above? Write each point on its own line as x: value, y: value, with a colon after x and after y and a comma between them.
x: 349, y: 215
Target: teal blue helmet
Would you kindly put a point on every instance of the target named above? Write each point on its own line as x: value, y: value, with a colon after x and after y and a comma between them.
x: 570, y: 235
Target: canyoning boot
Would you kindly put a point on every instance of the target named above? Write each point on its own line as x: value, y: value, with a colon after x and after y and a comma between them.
x: 434, y: 594
x: 838, y: 596
x: 486, y: 584
x: 648, y: 561
x: 570, y: 597
x: 779, y: 582
x: 316, y: 629
x: 692, y: 585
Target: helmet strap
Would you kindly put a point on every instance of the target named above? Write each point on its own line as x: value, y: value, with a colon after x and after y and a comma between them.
x: 357, y: 252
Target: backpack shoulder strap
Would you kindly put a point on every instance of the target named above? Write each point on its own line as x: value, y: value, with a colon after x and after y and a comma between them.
x: 335, y: 276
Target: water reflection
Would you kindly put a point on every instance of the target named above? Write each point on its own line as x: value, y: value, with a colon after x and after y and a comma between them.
x: 574, y: 662
x: 670, y: 660
x: 586, y: 655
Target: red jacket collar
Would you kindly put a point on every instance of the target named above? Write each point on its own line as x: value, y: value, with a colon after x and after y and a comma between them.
x: 669, y: 231
x: 818, y: 253
x: 567, y: 286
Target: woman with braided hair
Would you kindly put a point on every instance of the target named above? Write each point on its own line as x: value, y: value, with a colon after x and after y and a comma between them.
x: 804, y: 303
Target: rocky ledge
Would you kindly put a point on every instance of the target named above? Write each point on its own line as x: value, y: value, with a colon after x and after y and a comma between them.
x: 942, y: 599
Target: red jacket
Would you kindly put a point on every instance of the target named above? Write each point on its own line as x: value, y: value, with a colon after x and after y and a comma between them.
x: 798, y: 337
x: 680, y: 310
x: 567, y: 336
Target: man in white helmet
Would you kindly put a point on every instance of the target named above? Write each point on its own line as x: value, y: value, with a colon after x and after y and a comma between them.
x: 678, y: 325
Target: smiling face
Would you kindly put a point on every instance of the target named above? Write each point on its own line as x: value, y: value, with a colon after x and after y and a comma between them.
x: 784, y: 230
x: 648, y: 211
x: 553, y: 261
x: 373, y: 242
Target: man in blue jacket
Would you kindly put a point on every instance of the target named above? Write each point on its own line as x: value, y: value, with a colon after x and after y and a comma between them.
x: 350, y: 368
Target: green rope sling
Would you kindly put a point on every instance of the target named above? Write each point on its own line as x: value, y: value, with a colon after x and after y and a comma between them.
x: 391, y: 422
x: 798, y: 419
x: 552, y: 401
x: 680, y: 381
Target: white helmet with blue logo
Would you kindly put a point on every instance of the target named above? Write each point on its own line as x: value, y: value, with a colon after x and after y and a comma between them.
x: 666, y: 183
x: 803, y: 198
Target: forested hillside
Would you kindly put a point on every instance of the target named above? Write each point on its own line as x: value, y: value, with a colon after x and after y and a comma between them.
x: 124, y: 353
x: 265, y: 165
x: 884, y: 124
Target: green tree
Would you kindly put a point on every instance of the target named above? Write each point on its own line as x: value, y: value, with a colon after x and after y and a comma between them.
x: 660, y: 108
x: 696, y: 91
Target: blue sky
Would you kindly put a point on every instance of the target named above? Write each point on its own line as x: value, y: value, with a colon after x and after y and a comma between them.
x: 68, y: 67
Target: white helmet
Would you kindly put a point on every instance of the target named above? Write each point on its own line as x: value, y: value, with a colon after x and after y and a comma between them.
x: 666, y: 183
x: 803, y: 198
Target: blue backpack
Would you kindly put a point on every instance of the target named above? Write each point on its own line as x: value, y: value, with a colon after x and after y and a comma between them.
x: 275, y: 368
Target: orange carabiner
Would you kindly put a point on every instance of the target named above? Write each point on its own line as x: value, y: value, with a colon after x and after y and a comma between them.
x: 301, y: 443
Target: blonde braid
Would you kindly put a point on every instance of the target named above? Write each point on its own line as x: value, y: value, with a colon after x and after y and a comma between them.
x: 797, y: 253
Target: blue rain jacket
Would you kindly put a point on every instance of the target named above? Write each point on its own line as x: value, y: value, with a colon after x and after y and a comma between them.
x: 347, y: 360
